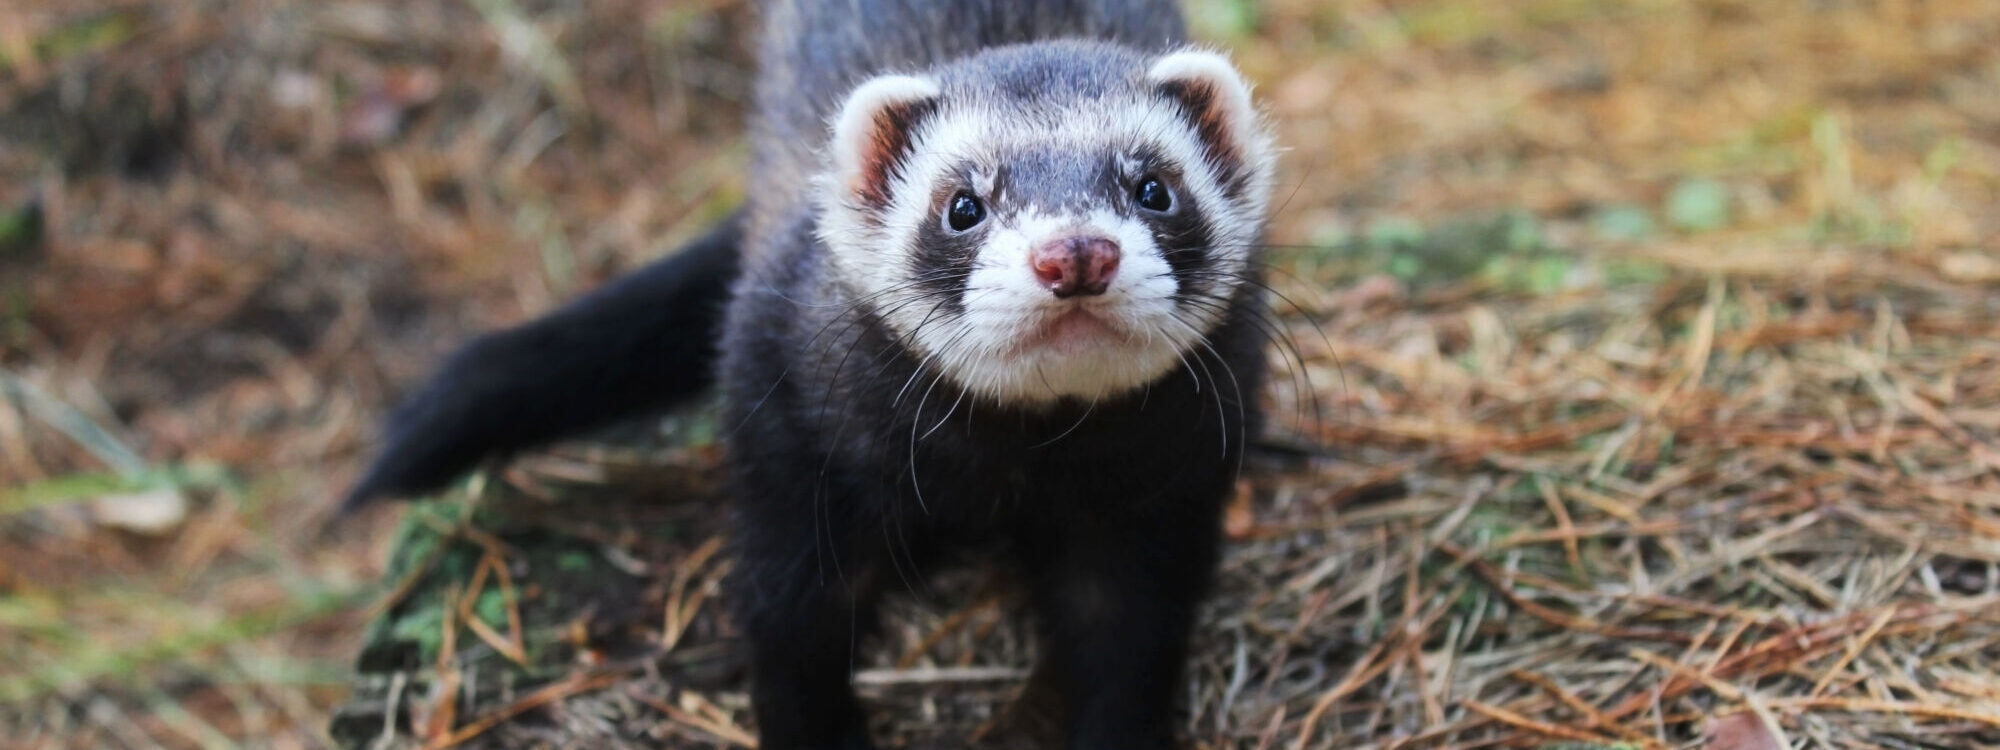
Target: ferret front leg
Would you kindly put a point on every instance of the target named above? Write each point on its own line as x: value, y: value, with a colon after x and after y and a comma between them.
x: 803, y: 619
x: 1116, y: 602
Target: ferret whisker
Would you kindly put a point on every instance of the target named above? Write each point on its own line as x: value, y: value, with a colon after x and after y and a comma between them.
x: 1087, y: 411
x: 1215, y: 389
x: 947, y: 414
x: 922, y: 364
x: 1279, y: 338
x: 892, y: 540
x: 1242, y: 418
x: 1340, y: 369
x: 916, y: 485
x: 759, y: 403
x: 1273, y: 331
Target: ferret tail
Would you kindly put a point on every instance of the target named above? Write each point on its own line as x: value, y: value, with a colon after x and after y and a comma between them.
x: 644, y: 342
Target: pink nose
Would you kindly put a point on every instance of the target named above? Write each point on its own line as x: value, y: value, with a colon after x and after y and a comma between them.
x: 1076, y: 265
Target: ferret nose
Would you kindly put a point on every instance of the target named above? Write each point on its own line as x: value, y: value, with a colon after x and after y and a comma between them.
x: 1076, y: 265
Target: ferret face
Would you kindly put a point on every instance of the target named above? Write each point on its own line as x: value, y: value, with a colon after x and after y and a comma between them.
x: 1051, y: 221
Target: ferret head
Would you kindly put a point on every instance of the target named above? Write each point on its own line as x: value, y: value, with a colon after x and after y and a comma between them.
x: 1049, y: 221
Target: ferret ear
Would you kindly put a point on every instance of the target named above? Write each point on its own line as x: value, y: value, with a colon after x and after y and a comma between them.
x: 874, y: 132
x: 1215, y: 100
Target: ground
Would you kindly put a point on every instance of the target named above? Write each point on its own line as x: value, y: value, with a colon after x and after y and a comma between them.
x: 1639, y: 381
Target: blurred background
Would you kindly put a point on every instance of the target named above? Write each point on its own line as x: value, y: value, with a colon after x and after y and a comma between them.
x: 233, y: 231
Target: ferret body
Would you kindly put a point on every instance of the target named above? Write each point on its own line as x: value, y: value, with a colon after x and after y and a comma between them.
x: 997, y: 290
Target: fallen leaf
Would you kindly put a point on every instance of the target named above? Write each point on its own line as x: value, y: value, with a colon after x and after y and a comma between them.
x: 1240, y: 519
x: 151, y: 512
x: 1974, y: 267
x: 378, y: 112
x: 1743, y: 730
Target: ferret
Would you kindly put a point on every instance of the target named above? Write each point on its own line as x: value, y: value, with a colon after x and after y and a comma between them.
x: 995, y: 288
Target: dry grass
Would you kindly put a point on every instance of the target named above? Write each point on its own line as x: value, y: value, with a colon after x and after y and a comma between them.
x: 1647, y: 388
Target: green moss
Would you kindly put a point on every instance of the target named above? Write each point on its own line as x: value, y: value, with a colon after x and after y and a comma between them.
x: 491, y: 607
x: 1698, y: 205
x: 1623, y: 223
x: 1630, y: 272
x: 71, y: 488
x: 85, y: 36
x: 573, y: 561
x: 423, y: 627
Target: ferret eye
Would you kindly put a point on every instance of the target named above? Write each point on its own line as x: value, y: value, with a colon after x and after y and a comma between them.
x: 1153, y: 195
x: 965, y: 213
